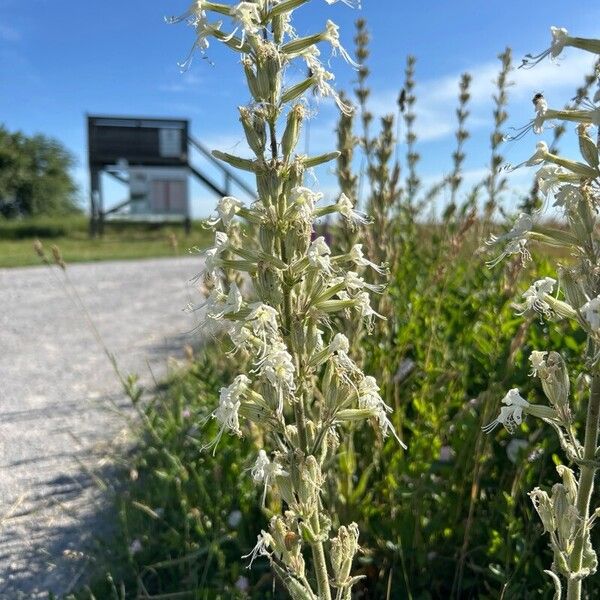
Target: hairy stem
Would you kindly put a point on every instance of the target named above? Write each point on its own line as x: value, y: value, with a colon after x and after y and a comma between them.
x: 320, y: 563
x: 586, y: 485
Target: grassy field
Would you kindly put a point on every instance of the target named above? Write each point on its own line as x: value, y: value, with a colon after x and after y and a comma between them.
x: 70, y: 234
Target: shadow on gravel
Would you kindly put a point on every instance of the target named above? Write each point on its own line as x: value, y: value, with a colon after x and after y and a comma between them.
x: 63, y: 525
x: 50, y: 536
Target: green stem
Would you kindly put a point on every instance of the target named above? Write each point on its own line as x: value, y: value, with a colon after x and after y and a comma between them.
x: 586, y: 486
x: 319, y: 562
x: 318, y: 551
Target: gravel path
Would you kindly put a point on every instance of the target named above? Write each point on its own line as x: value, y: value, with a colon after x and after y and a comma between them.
x: 56, y: 392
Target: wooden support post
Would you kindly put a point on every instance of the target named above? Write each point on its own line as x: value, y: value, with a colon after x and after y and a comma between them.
x: 94, y: 200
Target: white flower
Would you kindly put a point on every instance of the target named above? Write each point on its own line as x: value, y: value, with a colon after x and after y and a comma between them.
x: 321, y: 78
x: 234, y: 299
x: 217, y: 305
x: 264, y: 540
x: 213, y: 303
x: 340, y: 343
x: 319, y: 255
x: 241, y: 336
x: 539, y: 156
x: 538, y: 361
x: 212, y: 256
x: 264, y: 470
x: 516, y: 240
x: 304, y: 200
x: 513, y: 247
x: 560, y: 37
x: 346, y: 208
x: 333, y: 37
x: 547, y: 179
x: 263, y: 321
x: 511, y: 415
x: 196, y: 17
x: 364, y: 308
x: 227, y: 208
x: 535, y: 297
x: 357, y: 257
x: 568, y: 197
x: 227, y: 413
x: 354, y: 282
x: 247, y: 14
x: 195, y: 10
x: 591, y: 313
x: 340, y: 346
x: 369, y: 398
x: 541, y: 106
x: 278, y: 368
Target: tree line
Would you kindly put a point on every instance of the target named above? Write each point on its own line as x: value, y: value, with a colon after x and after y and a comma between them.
x: 35, y: 177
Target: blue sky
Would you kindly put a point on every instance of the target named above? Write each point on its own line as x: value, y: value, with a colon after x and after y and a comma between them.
x: 60, y: 59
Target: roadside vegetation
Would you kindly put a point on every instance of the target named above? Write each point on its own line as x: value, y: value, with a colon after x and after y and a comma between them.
x: 452, y: 517
x: 71, y: 235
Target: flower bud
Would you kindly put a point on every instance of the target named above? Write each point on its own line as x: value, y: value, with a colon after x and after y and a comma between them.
x: 267, y: 239
x: 268, y: 285
x: 268, y: 71
x: 235, y: 161
x: 292, y: 130
x: 310, y: 485
x: 311, y: 433
x: 267, y: 191
x: 295, y: 91
x: 301, y: 44
x: 573, y: 166
x: 286, y: 489
x: 569, y: 482
x: 543, y: 506
x: 286, y: 6
x: 343, y: 549
x: 588, y: 149
x: 254, y: 128
x: 251, y: 78
x: 355, y: 414
x: 569, y: 283
x: 254, y: 412
x: 560, y: 308
x: 314, y: 161
x: 565, y: 516
x: 561, y: 561
x: 555, y: 380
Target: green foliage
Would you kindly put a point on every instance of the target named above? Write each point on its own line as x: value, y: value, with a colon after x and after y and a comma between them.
x: 450, y: 517
x: 35, y: 176
x: 185, y: 517
x: 456, y: 497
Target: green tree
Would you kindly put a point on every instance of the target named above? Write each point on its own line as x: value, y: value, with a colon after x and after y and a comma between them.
x: 35, y: 176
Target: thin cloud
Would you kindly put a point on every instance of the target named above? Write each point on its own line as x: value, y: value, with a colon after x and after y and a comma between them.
x: 186, y: 83
x: 437, y: 98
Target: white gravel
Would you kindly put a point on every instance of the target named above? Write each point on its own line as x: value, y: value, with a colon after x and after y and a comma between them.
x: 56, y: 390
